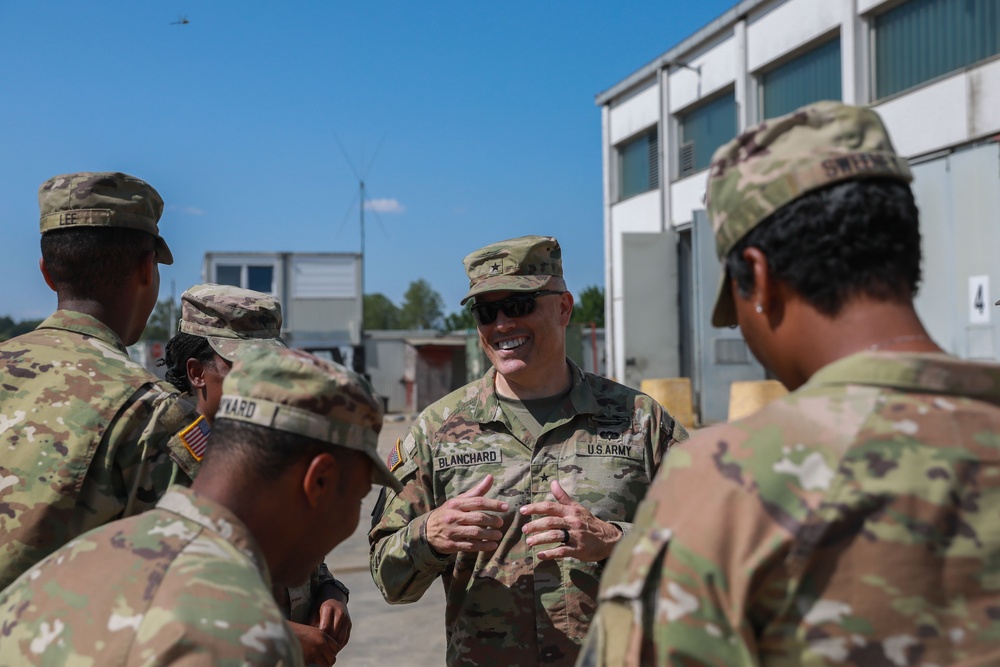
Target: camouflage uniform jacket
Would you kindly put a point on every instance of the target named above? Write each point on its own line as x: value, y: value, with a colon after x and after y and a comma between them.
x: 86, y: 435
x: 853, y: 522
x: 183, y: 584
x: 603, y: 443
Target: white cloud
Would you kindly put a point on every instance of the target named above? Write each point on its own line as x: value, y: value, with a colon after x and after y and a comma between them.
x: 384, y: 206
x: 189, y: 210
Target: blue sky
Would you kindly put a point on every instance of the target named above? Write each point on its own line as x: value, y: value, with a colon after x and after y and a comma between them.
x: 484, y: 111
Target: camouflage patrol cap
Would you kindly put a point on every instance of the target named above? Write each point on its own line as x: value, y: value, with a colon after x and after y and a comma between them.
x: 102, y: 199
x: 780, y: 160
x: 524, y: 264
x: 231, y: 318
x: 295, y: 392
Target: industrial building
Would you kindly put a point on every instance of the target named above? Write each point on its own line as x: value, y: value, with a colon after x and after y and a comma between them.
x: 929, y: 67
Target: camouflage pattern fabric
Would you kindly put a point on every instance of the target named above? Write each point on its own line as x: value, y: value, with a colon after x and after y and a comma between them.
x: 297, y: 392
x: 603, y: 444
x: 102, y: 199
x: 524, y: 264
x: 231, y: 318
x: 853, y: 522
x: 190, y: 587
x: 781, y: 159
x: 87, y: 437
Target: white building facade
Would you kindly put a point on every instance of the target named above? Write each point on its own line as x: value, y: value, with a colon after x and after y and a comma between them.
x: 931, y: 68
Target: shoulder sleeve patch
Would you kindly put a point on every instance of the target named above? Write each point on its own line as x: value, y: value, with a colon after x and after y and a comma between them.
x: 395, y: 456
x: 195, y: 437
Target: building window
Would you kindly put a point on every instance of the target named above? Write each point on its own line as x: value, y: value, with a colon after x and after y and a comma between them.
x: 229, y: 274
x: 248, y: 276
x: 811, y: 77
x: 703, y: 130
x: 924, y: 39
x: 260, y: 278
x: 638, y: 165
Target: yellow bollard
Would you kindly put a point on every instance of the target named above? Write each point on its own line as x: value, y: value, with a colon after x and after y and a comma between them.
x: 674, y: 394
x: 746, y: 398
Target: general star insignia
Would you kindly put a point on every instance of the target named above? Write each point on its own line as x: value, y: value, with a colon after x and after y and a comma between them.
x: 494, y: 268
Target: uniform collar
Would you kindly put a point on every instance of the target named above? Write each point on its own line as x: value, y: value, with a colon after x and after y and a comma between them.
x: 217, y: 519
x: 915, y: 371
x: 81, y: 323
x: 488, y: 409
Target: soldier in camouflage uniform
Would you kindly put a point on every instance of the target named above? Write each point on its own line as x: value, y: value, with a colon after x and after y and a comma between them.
x: 851, y: 522
x: 88, y: 436
x: 517, y: 486
x: 218, y: 323
x: 189, y: 582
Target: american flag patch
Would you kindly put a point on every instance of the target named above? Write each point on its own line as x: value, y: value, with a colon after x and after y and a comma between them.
x: 395, y: 457
x: 195, y: 437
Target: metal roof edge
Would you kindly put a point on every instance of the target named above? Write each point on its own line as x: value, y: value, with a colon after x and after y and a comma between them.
x: 725, y: 20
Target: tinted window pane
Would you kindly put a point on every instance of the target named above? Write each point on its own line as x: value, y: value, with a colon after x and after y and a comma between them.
x: 811, y: 77
x: 637, y: 166
x: 924, y: 39
x: 228, y: 274
x: 708, y: 127
x: 260, y: 278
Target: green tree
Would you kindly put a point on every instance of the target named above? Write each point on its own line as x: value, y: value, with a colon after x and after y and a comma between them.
x: 381, y: 313
x: 422, y: 306
x: 10, y: 328
x: 590, y: 307
x: 460, y: 320
x: 165, y: 313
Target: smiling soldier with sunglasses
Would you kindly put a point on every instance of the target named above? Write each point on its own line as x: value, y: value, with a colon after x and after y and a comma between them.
x: 518, y: 486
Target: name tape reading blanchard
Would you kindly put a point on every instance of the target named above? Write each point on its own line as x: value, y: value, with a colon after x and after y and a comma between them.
x: 473, y: 457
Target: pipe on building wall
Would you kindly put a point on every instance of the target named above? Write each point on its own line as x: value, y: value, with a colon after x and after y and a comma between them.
x: 609, y: 285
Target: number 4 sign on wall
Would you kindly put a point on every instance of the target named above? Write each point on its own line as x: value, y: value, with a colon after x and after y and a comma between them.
x: 979, y: 300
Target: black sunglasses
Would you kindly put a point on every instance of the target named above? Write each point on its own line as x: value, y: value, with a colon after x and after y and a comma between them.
x: 516, y: 305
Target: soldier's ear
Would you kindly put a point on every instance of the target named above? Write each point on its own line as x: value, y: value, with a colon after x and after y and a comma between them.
x: 565, y: 308
x: 195, y: 373
x: 45, y: 274
x: 320, y: 479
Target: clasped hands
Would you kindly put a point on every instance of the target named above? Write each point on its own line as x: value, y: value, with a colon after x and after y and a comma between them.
x: 465, y: 523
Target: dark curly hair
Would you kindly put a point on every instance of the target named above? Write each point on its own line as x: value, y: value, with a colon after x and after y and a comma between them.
x: 833, y: 244
x: 180, y: 348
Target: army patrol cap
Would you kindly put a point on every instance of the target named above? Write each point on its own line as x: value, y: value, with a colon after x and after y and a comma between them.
x: 232, y: 319
x: 780, y: 160
x: 296, y: 392
x: 102, y: 199
x: 524, y: 264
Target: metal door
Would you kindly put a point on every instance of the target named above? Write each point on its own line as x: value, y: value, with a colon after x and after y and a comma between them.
x: 720, y: 356
x: 650, y: 305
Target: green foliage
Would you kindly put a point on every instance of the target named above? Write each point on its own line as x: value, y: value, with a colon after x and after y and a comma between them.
x: 381, y: 313
x: 460, y: 320
x: 590, y: 306
x: 422, y: 306
x: 165, y: 314
x: 10, y: 328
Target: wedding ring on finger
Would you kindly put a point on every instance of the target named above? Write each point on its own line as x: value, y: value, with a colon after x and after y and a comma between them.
x: 565, y: 533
